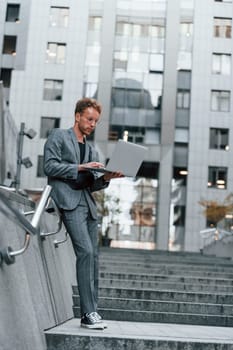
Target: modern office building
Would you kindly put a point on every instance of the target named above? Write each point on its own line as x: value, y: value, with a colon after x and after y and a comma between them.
x: 162, y: 70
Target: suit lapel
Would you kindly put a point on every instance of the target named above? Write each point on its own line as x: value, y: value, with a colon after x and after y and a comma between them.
x: 75, y: 144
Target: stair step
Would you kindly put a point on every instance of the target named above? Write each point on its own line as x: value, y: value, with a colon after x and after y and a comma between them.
x: 162, y: 317
x: 161, y: 277
x: 199, y: 266
x: 161, y: 306
x: 219, y: 298
x: 132, y: 335
x: 167, y: 285
x: 166, y: 271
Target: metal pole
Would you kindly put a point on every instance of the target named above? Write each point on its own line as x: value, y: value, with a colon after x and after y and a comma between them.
x: 41, y: 206
x: 19, y: 156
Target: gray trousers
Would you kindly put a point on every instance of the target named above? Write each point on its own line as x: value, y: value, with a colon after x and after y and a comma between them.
x: 83, y: 231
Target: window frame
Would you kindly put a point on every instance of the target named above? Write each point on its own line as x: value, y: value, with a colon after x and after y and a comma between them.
x: 219, y: 135
x: 217, y: 177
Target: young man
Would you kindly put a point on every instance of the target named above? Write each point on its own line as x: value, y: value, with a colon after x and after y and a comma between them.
x: 66, y: 154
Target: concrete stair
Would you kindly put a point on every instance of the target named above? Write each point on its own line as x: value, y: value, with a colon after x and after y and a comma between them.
x: 157, y: 289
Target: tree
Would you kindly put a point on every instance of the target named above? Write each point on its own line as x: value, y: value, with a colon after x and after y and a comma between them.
x: 215, y: 211
x: 108, y: 208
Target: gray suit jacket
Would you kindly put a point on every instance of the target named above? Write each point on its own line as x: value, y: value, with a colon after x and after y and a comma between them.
x: 61, y: 159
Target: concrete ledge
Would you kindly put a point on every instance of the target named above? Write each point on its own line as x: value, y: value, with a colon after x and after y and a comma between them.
x: 140, y: 336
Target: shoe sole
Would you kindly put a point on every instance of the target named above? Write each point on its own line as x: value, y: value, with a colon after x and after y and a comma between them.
x: 93, y: 326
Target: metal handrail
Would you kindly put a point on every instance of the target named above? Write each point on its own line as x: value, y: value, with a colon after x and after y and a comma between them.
x: 7, y: 254
x: 211, y: 235
x: 57, y: 242
x: 59, y: 222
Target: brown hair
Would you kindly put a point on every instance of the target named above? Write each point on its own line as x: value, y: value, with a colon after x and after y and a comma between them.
x: 86, y: 102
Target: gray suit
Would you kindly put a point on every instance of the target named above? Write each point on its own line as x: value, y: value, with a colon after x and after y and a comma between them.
x: 78, y: 208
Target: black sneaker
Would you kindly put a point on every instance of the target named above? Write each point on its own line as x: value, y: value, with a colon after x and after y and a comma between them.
x: 100, y: 319
x: 92, y: 321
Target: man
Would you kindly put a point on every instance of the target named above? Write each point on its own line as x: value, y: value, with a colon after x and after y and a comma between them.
x: 66, y: 154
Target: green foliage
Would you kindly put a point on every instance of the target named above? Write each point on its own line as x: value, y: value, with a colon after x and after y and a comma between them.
x: 216, y: 211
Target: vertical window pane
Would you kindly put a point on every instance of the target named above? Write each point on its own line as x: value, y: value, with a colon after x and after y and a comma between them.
x: 59, y: 16
x: 6, y: 77
x: 183, y: 99
x: 40, y: 166
x: 53, y: 90
x: 12, y: 12
x: 219, y: 138
x: 9, y: 44
x: 47, y: 124
x: 55, y: 53
x: 221, y: 64
x: 220, y: 101
x: 222, y: 27
x: 217, y: 177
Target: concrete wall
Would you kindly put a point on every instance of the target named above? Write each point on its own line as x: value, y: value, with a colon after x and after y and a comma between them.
x: 35, y: 291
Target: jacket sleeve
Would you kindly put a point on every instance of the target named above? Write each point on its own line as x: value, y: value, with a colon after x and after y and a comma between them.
x: 54, y: 163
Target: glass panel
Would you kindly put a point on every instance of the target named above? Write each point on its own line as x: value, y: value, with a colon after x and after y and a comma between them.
x: 40, y: 167
x: 135, y: 217
x: 222, y: 27
x: 47, y: 124
x: 220, y: 101
x: 184, y: 60
x: 12, y: 12
x: 9, y: 44
x: 217, y: 177
x: 59, y: 16
x: 53, y: 89
x: 181, y: 135
x: 55, y: 53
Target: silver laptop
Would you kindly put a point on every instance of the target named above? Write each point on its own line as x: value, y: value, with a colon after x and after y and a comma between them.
x: 126, y: 157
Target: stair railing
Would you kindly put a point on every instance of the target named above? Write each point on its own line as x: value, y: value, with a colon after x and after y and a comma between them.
x: 7, y: 254
x: 53, y: 209
x: 211, y: 235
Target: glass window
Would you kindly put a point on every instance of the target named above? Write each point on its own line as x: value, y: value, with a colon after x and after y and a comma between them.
x: 217, y: 177
x: 12, y: 12
x: 183, y: 99
x: 221, y: 63
x: 156, y: 31
x: 184, y: 79
x: 6, y: 77
x: 53, y: 90
x: 90, y: 90
x: 219, y: 138
x: 186, y: 35
x: 59, y: 16
x: 9, y: 44
x: 136, y: 217
x: 47, y: 124
x: 222, y: 27
x: 181, y: 135
x: 120, y: 60
x: 40, y: 167
x: 93, y: 55
x: 95, y: 23
x: 156, y: 63
x: 220, y: 100
x: 184, y: 60
x: 55, y: 53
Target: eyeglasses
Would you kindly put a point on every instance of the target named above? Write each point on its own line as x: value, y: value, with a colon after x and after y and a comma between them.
x: 91, y: 120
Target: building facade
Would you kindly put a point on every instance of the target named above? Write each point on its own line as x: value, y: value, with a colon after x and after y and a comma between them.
x: 162, y: 70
